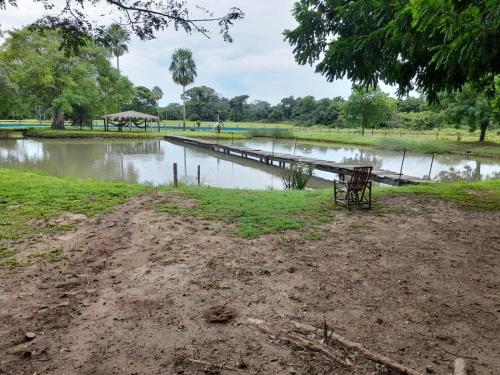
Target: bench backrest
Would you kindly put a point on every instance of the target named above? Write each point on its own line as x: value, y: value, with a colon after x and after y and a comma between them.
x: 360, y: 177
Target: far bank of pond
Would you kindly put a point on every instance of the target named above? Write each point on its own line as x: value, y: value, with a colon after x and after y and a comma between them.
x: 150, y: 161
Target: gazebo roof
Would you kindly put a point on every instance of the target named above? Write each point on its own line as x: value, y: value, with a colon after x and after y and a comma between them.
x: 130, y: 115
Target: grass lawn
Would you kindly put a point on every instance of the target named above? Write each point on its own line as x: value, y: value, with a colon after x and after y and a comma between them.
x: 136, y: 134
x: 29, y: 200
x: 475, y: 195
x: 410, y: 143
x: 258, y: 212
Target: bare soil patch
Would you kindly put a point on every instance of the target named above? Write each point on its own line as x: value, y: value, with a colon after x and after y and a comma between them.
x: 417, y: 281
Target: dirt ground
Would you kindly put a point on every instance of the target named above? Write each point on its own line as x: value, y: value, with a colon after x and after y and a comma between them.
x: 137, y: 292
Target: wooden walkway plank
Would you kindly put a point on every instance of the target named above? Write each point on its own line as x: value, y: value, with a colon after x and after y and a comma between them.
x: 378, y: 175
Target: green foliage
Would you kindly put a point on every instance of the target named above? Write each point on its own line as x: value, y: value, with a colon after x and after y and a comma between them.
x: 205, y: 103
x: 410, y: 104
x: 29, y: 200
x: 237, y: 107
x: 297, y: 176
x: 470, y: 108
x: 430, y: 45
x: 117, y: 38
x: 144, y: 100
x: 58, y: 83
x: 50, y: 133
x: 368, y: 107
x: 183, y: 67
x: 258, y: 212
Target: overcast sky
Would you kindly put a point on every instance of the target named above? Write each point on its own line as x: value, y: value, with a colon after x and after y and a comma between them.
x: 258, y: 63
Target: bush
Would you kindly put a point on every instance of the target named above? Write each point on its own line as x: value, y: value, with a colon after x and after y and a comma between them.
x: 297, y: 176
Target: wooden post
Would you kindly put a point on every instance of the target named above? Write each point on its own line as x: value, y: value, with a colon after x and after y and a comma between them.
x: 198, y: 176
x: 430, y: 169
x: 175, y: 174
x: 402, y: 162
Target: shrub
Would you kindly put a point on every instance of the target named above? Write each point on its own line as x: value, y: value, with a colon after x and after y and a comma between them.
x: 297, y: 176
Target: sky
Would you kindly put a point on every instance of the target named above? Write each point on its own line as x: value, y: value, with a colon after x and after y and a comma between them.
x: 258, y: 63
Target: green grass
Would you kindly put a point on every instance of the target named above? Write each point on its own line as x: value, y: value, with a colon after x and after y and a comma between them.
x: 412, y: 144
x: 476, y: 195
x: 422, y: 142
x: 49, y: 256
x: 4, y: 252
x: 71, y: 133
x: 258, y: 212
x: 100, y: 133
x: 29, y: 199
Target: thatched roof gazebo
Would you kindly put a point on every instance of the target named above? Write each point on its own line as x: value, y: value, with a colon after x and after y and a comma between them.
x: 129, y: 118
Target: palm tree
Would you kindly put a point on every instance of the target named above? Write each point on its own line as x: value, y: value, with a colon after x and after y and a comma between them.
x: 183, y: 70
x: 158, y: 94
x: 118, y: 37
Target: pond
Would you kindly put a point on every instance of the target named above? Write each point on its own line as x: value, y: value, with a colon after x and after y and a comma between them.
x: 151, y: 162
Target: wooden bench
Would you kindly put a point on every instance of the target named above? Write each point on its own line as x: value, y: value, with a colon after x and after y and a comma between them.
x: 357, y: 192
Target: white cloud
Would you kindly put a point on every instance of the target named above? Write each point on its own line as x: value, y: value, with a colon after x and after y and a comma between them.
x: 258, y: 63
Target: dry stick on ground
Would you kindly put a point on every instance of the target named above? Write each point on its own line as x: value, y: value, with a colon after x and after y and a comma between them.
x: 360, y: 348
x: 301, y: 342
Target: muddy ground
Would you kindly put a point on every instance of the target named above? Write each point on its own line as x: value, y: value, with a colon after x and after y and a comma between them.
x: 416, y: 281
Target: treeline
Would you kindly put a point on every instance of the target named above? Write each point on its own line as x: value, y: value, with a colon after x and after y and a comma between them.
x: 365, y: 108
x: 40, y: 80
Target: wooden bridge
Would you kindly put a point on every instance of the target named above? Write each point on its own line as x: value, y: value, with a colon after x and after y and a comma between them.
x: 270, y: 158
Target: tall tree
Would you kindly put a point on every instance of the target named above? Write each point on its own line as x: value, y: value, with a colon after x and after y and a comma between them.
x: 183, y: 69
x: 368, y: 107
x: 144, y: 100
x: 435, y: 45
x: 237, y: 106
x: 432, y: 46
x: 203, y: 102
x: 470, y: 108
x: 49, y: 78
x: 158, y: 94
x: 117, y: 38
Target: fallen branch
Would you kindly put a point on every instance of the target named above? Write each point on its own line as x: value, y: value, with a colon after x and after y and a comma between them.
x: 361, y: 349
x: 301, y: 342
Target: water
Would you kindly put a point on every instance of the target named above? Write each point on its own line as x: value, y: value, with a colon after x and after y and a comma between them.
x: 151, y: 162
x: 445, y: 168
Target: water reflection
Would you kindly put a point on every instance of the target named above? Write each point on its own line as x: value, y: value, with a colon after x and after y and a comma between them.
x: 151, y: 161
x: 140, y: 162
x: 445, y: 167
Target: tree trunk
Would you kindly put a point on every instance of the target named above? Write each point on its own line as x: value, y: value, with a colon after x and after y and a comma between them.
x: 118, y: 63
x: 183, y: 107
x: 482, y: 136
x: 363, y: 124
x: 57, y: 119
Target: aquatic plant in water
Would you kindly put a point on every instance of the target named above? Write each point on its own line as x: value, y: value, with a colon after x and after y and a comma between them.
x: 297, y: 176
